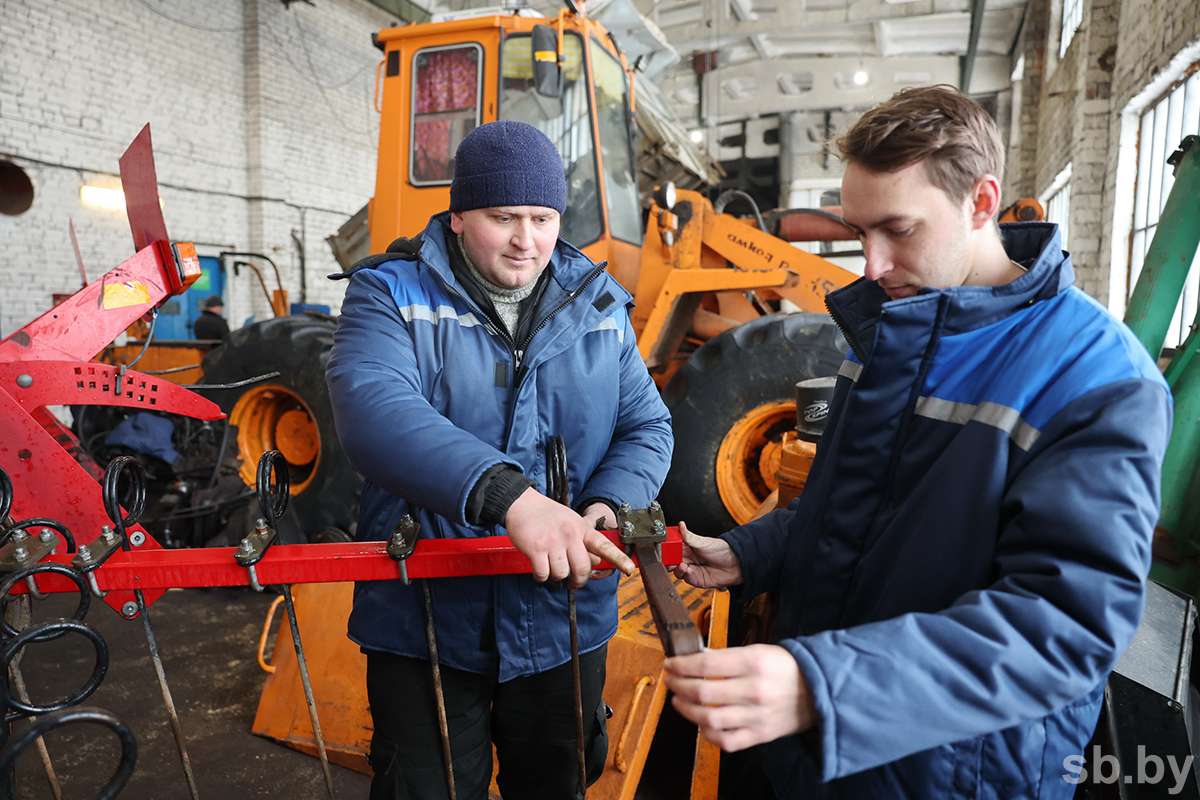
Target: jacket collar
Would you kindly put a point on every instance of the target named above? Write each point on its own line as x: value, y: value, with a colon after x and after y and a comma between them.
x: 1037, y: 246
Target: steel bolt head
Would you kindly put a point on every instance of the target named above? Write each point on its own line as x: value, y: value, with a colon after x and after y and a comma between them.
x: 130, y: 609
x: 137, y: 538
x: 24, y: 381
x: 20, y: 536
x: 658, y: 526
x: 20, y: 554
x: 46, y: 535
x: 84, y: 552
x: 625, y: 508
x: 655, y: 507
x: 627, y: 527
x: 107, y: 533
x: 245, y: 546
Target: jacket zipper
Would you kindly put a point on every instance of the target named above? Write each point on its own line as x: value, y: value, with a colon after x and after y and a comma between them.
x: 519, y: 376
x: 518, y: 354
x: 841, y: 326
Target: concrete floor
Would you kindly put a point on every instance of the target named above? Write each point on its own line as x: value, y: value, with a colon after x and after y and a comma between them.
x: 207, y: 639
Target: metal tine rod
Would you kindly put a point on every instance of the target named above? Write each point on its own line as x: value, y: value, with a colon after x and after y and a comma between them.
x: 166, y: 693
x: 308, y: 693
x: 443, y: 724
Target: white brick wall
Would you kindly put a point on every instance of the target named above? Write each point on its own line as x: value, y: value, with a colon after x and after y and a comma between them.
x: 262, y: 120
x: 1076, y: 110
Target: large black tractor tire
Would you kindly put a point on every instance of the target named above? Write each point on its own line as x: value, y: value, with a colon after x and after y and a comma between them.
x: 736, y: 390
x: 290, y: 413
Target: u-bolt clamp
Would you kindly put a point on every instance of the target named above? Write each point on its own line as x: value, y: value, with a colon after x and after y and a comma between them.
x: 253, y: 548
x: 403, y: 542
x: 89, y: 557
x: 272, y: 502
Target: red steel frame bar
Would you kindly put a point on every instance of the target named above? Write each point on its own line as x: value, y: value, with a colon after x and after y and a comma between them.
x: 160, y: 570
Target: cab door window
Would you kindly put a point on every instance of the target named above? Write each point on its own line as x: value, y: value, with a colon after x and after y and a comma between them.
x: 446, y: 107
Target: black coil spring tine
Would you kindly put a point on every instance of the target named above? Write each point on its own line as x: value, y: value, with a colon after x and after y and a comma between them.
x: 85, y: 596
x: 558, y: 486
x: 112, y: 500
x: 39, y: 522
x: 272, y: 504
x: 6, y: 496
x: 43, y: 632
x: 44, y: 724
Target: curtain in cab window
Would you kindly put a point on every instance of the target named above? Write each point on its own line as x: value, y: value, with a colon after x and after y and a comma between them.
x: 616, y: 154
x: 565, y: 120
x: 445, y: 109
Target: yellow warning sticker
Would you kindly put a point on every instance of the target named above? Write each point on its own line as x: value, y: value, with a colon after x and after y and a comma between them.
x: 121, y: 295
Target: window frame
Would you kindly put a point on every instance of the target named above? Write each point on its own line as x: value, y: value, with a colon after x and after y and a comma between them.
x: 412, y: 105
x: 1070, y: 22
x: 1161, y: 126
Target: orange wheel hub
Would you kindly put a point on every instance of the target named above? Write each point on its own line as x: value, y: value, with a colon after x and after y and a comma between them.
x: 748, y: 457
x: 272, y: 418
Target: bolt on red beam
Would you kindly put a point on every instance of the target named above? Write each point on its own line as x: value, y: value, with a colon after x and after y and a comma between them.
x: 314, y: 563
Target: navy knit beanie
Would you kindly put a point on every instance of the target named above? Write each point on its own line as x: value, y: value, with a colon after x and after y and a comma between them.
x: 507, y: 163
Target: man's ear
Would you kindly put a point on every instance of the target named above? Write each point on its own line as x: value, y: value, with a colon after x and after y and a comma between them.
x: 456, y: 221
x: 985, y: 201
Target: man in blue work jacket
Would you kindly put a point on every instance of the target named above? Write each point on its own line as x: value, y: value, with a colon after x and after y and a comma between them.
x: 457, y: 356
x: 968, y: 558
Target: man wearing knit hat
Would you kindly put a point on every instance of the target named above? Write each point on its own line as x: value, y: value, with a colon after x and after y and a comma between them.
x: 458, y: 355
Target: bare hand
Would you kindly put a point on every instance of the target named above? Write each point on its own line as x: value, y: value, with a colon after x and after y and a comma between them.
x: 600, y: 517
x: 707, y: 563
x: 761, y: 694
x: 557, y: 541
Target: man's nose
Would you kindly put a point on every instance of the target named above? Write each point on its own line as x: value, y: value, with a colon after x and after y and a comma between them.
x: 523, y: 234
x: 879, y: 261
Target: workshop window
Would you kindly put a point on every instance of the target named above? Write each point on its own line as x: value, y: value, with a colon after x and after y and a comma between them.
x: 1057, y: 200
x: 1163, y: 125
x: 1072, y: 16
x: 445, y: 98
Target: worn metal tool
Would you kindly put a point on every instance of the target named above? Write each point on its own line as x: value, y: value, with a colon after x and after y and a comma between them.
x: 399, y: 548
x: 272, y: 502
x: 106, y: 544
x: 643, y: 531
x: 558, y: 488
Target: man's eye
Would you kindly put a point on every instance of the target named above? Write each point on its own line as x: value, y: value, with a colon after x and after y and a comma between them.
x: 504, y: 220
x: 902, y: 233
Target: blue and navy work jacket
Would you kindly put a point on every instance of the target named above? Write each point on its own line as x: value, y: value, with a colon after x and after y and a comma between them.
x: 427, y: 396
x: 969, y: 556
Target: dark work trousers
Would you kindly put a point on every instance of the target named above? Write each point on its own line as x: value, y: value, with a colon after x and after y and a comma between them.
x: 531, y: 720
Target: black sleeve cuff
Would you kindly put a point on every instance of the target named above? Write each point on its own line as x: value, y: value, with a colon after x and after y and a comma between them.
x: 583, y: 504
x: 496, y: 491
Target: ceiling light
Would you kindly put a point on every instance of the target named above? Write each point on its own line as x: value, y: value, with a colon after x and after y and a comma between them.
x: 861, y: 78
x: 99, y: 197
x: 697, y: 136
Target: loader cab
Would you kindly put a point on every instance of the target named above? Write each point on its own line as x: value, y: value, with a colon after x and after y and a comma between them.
x: 440, y: 81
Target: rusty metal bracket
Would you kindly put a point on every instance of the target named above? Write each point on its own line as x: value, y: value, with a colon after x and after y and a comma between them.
x: 644, y: 530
